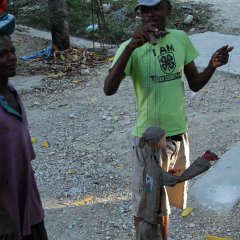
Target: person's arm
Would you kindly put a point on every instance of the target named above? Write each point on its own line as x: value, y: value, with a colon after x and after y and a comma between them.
x: 139, y: 38
x: 198, y: 80
x: 116, y: 74
x: 7, y: 225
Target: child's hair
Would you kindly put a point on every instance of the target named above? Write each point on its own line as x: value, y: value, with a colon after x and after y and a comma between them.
x: 152, y: 135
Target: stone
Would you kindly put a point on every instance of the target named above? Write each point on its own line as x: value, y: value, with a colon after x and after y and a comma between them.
x: 188, y: 20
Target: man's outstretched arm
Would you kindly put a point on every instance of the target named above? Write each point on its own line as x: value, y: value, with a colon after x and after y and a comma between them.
x: 198, y: 80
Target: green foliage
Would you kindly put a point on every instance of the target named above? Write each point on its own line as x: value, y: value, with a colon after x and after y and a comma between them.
x: 120, y: 21
x: 32, y: 13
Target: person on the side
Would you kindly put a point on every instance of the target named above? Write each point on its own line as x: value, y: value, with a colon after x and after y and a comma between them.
x: 21, y: 211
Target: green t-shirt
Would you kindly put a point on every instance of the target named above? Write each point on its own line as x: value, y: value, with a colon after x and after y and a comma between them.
x: 157, y: 72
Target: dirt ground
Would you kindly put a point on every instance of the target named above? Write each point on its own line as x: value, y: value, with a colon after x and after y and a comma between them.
x: 226, y: 17
x: 84, y: 175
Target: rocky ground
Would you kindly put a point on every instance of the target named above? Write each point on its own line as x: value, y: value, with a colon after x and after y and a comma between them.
x: 84, y: 173
x: 225, y: 15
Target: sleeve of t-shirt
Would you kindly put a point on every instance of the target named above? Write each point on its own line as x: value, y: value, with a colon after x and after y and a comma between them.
x: 190, y: 50
x: 127, y: 70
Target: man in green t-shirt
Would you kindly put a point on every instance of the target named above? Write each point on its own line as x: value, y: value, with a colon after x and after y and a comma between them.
x: 157, y: 59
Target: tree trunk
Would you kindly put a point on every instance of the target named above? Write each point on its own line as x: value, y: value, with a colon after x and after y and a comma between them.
x: 59, y: 24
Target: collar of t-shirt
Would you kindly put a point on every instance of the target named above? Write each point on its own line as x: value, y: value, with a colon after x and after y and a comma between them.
x: 9, y: 109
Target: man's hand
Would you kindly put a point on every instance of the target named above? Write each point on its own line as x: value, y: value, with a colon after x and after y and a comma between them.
x: 146, y: 34
x: 220, y: 57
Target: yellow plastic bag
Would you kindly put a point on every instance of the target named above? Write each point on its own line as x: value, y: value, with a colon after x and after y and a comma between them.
x: 33, y: 140
x: 186, y: 212
x: 209, y: 237
x: 82, y: 202
x: 45, y: 144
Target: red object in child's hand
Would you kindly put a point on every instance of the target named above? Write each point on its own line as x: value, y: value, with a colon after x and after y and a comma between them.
x: 174, y: 170
x: 210, y: 156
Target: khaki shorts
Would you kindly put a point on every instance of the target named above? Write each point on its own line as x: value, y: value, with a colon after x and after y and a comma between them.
x: 175, y: 155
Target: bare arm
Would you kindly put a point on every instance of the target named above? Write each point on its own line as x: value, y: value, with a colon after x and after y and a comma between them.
x: 198, y: 80
x: 116, y: 74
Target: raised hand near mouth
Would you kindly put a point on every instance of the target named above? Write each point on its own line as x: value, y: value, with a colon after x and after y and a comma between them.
x: 147, y: 33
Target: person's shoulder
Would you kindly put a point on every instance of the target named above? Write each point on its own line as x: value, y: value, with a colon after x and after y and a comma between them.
x: 122, y: 46
x: 179, y: 35
x: 177, y: 32
x: 12, y: 88
x: 125, y: 43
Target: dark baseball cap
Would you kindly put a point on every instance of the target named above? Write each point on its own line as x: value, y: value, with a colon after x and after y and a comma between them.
x: 148, y: 3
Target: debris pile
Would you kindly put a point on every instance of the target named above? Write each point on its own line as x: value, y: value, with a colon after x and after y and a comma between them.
x: 73, y: 61
x: 77, y: 60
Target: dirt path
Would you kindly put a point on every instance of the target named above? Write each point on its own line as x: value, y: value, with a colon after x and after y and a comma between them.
x: 84, y: 176
x: 225, y: 15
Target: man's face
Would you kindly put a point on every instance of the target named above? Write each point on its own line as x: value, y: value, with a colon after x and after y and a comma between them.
x: 8, y: 58
x: 156, y: 15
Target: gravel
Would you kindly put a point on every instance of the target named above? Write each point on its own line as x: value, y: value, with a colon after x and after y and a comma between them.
x: 84, y: 175
x: 89, y: 154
